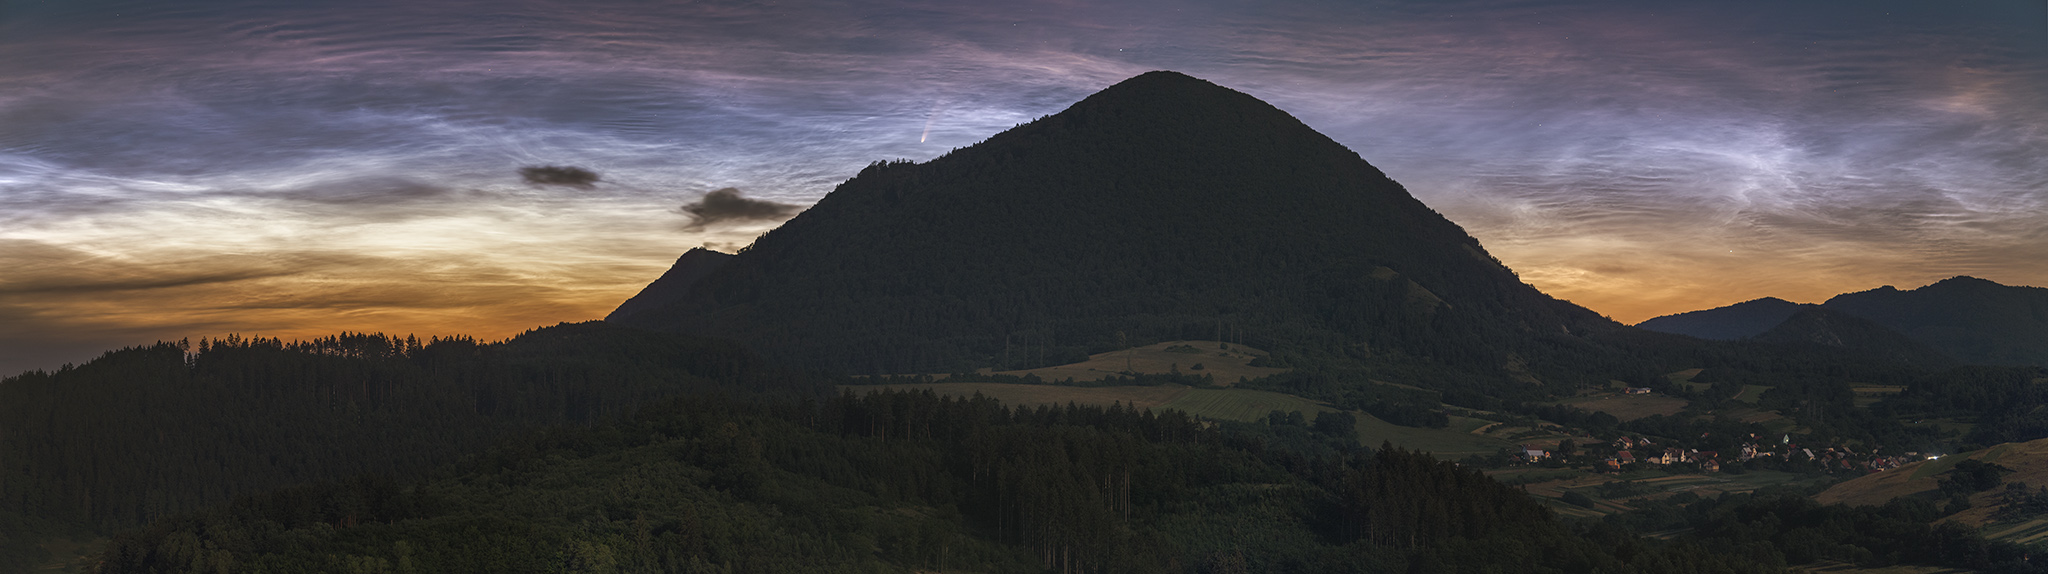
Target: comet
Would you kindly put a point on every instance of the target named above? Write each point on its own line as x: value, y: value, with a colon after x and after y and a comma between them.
x: 928, y: 123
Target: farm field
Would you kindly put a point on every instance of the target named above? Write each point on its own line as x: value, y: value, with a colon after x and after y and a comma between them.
x: 2029, y: 461
x: 1629, y: 407
x: 1453, y: 442
x: 1683, y: 376
x: 1867, y: 395
x: 1648, y: 483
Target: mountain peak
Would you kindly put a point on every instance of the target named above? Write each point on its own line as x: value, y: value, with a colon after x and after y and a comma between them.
x: 1163, y: 207
x: 1165, y: 78
x: 1964, y: 281
x: 1162, y: 87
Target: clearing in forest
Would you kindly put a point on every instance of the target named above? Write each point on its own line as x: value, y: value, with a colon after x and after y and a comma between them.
x: 1453, y: 442
x: 1224, y: 361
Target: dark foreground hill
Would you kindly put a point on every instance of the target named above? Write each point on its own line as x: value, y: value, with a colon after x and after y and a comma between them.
x: 143, y: 433
x: 1164, y: 207
x: 911, y: 482
x: 1968, y: 319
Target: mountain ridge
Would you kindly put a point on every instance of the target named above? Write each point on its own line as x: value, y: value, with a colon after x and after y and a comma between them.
x: 1973, y: 320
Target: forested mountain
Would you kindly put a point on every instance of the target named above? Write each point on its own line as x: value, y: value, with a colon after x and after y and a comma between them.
x: 896, y: 482
x: 1969, y: 319
x: 1824, y: 326
x: 1163, y: 207
x: 672, y: 285
x: 1739, y: 321
x: 142, y: 433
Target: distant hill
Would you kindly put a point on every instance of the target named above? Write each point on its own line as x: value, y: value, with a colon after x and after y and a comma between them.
x: 1971, y: 319
x: 1823, y: 326
x: 1162, y: 208
x: 1739, y: 321
x: 670, y: 288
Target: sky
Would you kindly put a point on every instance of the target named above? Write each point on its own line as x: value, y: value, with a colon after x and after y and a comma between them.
x: 295, y: 169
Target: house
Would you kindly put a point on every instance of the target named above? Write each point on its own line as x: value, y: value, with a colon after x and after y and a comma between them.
x: 1675, y: 456
x: 1625, y: 457
x: 1709, y: 465
x: 1637, y: 390
x: 1533, y: 453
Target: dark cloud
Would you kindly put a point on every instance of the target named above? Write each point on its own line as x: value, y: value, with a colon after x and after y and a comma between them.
x: 558, y: 175
x: 727, y: 205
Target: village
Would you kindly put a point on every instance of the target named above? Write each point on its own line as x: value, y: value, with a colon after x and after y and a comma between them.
x: 1635, y: 453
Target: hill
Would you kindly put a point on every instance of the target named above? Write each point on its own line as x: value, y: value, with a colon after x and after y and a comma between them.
x: 1739, y: 321
x: 1974, y: 320
x: 1161, y: 208
x: 1966, y: 319
x: 2028, y: 462
x: 670, y: 288
x: 143, y: 433
x: 1827, y: 327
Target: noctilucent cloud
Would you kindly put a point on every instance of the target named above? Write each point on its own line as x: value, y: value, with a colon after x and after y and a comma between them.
x: 295, y: 169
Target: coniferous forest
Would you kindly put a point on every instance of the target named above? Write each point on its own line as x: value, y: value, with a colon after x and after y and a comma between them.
x: 745, y: 468
x: 910, y: 481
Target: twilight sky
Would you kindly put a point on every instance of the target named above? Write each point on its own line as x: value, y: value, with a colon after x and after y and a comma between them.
x: 295, y: 169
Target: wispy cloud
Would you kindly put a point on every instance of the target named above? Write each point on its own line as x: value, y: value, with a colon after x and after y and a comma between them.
x: 208, y: 150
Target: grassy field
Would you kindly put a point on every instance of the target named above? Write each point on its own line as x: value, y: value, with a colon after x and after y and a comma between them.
x: 1628, y: 407
x: 1868, y: 394
x: 1242, y: 404
x: 2025, y: 532
x: 1034, y: 395
x: 2029, y: 461
x: 1683, y: 376
x: 1771, y: 420
x: 1226, y: 362
x: 1453, y: 442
